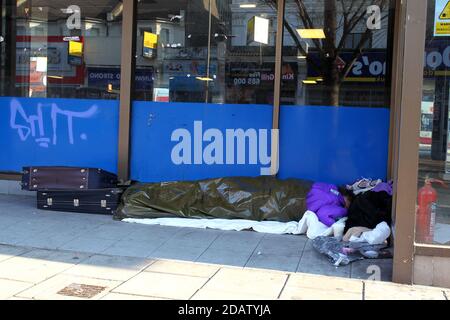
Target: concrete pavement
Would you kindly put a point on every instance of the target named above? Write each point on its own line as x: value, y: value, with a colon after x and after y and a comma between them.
x: 54, y: 255
x: 23, y: 225
x: 28, y: 273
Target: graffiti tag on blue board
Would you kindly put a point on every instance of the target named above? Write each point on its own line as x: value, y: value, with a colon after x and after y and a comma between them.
x: 69, y: 132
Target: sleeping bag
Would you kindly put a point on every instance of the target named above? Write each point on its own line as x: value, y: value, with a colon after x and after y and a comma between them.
x: 326, y: 202
x: 262, y: 198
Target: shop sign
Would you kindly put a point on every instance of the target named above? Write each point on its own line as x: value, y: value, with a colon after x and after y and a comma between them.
x: 437, y: 59
x: 253, y: 74
x: 150, y: 45
x: 104, y: 77
x: 370, y: 67
x: 442, y: 18
x: 258, y: 30
x: 55, y: 49
x: 191, y: 68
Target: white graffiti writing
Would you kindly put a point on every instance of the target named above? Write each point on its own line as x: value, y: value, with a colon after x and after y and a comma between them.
x: 33, y: 126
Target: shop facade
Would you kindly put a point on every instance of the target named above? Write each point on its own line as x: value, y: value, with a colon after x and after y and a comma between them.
x: 184, y: 90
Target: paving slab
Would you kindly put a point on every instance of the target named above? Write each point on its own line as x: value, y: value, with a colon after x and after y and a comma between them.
x: 380, y: 270
x: 254, y: 282
x: 8, y: 288
x: 88, y: 244
x: 209, y: 294
x: 133, y: 248
x: 325, y: 283
x: 237, y: 240
x: 45, y: 240
x: 273, y: 261
x: 38, y: 265
x: 194, y: 237
x: 177, y: 252
x: 109, y: 267
x: 375, y: 290
x: 110, y: 231
x: 228, y: 257
x: 162, y: 285
x: 183, y: 268
x: 120, y: 296
x: 7, y: 252
x: 6, y: 221
x: 283, y: 245
x: 298, y: 293
x: 151, y: 233
x: 69, y: 287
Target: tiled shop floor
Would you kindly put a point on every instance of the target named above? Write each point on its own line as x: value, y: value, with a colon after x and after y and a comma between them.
x: 22, y: 225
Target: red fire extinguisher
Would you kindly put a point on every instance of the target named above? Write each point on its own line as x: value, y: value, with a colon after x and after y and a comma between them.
x: 426, y: 210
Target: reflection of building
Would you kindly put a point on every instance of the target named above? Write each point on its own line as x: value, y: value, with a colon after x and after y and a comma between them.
x: 42, y: 32
x: 187, y: 44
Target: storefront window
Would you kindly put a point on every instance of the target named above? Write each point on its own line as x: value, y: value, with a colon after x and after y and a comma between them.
x: 433, y: 200
x: 341, y: 51
x: 59, y: 83
x: 209, y: 51
x: 60, y: 49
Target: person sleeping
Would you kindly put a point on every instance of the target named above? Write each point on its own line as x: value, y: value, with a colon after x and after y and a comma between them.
x: 328, y: 202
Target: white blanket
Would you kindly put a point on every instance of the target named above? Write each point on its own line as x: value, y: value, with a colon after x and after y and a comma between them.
x: 376, y: 236
x: 309, y: 225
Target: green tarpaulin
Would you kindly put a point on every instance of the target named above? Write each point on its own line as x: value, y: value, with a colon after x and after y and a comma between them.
x: 260, y: 199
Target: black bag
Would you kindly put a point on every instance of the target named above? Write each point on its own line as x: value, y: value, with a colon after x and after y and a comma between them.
x: 102, y: 201
x: 64, y: 178
x: 369, y: 209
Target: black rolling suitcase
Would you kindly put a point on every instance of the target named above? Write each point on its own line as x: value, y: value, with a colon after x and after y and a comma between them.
x: 64, y: 178
x: 102, y: 201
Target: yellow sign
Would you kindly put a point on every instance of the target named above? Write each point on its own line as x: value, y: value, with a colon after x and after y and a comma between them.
x: 442, y: 18
x: 75, y: 48
x: 150, y: 40
x: 445, y: 14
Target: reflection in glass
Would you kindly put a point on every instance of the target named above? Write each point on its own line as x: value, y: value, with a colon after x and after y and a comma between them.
x: 433, y: 200
x: 61, y: 49
x: 340, y: 51
x: 210, y: 51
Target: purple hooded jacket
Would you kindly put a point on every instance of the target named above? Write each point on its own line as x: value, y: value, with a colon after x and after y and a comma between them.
x: 326, y: 202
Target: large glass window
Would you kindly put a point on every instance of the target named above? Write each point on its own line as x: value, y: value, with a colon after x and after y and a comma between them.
x: 60, y: 49
x: 433, y: 201
x: 216, y: 51
x: 340, y: 50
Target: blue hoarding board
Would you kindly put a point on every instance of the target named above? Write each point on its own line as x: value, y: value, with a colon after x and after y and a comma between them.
x: 58, y: 132
x: 336, y: 145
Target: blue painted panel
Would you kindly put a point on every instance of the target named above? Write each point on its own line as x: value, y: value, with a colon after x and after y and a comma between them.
x: 65, y: 132
x: 327, y: 144
x: 336, y: 145
x: 152, y: 127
